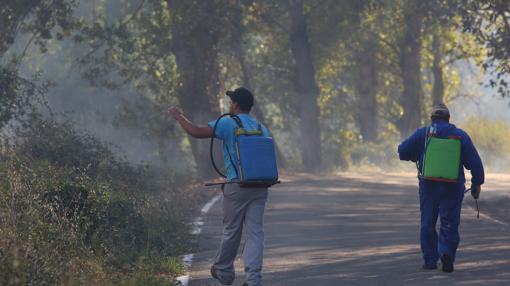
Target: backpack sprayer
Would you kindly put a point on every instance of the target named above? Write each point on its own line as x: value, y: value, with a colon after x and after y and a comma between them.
x: 255, y: 166
x: 441, y: 161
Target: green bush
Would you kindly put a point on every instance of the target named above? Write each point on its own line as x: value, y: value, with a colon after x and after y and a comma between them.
x: 73, y: 213
x: 492, y: 139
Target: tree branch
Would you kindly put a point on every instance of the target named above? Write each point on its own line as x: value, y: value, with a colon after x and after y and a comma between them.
x: 135, y: 12
x: 390, y: 45
x: 507, y: 24
x: 270, y: 20
x: 102, y: 42
x: 34, y: 35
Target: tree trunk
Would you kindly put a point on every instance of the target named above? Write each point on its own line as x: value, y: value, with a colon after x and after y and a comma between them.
x: 306, y: 88
x: 367, y: 92
x: 237, y: 38
x: 410, y: 68
x: 194, y: 45
x: 437, y: 70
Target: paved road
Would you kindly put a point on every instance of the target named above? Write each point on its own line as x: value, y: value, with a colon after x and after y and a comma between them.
x: 358, y: 230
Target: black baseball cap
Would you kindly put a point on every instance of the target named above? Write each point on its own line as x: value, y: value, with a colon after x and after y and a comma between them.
x: 243, y: 97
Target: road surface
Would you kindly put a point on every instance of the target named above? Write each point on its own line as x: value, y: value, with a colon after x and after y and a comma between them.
x: 352, y: 229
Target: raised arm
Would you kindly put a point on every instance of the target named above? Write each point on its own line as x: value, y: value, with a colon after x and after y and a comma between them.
x: 192, y: 129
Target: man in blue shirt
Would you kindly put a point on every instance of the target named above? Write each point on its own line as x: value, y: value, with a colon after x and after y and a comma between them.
x: 442, y: 199
x: 241, y: 206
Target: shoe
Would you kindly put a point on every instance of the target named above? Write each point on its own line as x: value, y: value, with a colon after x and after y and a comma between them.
x: 217, y: 277
x: 429, y: 266
x: 447, y: 263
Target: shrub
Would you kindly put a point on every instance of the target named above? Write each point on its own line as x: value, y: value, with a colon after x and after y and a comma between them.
x: 492, y: 139
x: 71, y: 212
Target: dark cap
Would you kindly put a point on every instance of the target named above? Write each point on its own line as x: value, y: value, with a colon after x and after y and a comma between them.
x: 440, y: 111
x: 243, y: 97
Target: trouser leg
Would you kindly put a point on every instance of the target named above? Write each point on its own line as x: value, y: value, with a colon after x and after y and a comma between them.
x: 450, y: 209
x: 233, y: 218
x: 254, y: 249
x: 429, y: 208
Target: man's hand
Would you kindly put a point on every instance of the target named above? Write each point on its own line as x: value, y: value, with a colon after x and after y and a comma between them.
x: 188, y: 126
x: 175, y: 112
x: 475, y: 191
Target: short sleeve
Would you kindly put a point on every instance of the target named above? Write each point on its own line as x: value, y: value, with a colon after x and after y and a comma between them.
x: 223, y: 128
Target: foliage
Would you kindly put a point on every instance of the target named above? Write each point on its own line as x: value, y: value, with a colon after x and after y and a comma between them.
x: 17, y: 95
x: 38, y: 18
x: 489, y: 21
x: 42, y: 21
x: 492, y: 139
x: 71, y: 211
x: 138, y: 46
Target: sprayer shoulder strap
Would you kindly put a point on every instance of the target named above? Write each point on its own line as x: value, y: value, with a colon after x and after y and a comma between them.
x: 427, y: 138
x: 426, y: 141
x: 240, y: 130
x: 237, y: 120
x: 239, y: 123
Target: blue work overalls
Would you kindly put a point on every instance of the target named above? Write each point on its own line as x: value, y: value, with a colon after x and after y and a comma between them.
x: 441, y: 198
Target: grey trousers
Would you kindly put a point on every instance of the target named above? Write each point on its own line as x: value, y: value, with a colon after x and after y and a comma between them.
x: 242, y: 206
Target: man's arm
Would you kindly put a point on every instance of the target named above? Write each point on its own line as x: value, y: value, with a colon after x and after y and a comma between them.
x: 188, y: 126
x: 472, y: 161
x: 411, y: 148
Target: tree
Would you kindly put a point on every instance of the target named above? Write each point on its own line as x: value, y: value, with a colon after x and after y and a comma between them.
x: 38, y: 19
x: 195, y: 37
x: 168, y: 50
x: 237, y: 31
x: 489, y: 21
x: 437, y: 70
x: 306, y: 88
x: 410, y: 67
x: 445, y: 44
x: 367, y: 70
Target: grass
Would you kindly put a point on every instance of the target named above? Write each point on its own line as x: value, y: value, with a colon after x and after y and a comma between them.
x: 72, y: 213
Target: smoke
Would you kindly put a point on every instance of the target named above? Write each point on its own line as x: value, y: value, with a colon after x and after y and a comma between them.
x: 476, y: 97
x: 97, y: 110
x: 481, y: 103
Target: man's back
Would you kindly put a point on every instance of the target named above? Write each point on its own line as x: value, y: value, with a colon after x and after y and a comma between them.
x: 413, y: 148
x: 225, y: 132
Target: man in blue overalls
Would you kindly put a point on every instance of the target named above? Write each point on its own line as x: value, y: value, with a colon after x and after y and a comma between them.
x: 442, y: 198
x: 241, y: 206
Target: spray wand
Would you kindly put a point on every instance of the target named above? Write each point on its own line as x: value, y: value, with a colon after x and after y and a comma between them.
x: 476, y: 203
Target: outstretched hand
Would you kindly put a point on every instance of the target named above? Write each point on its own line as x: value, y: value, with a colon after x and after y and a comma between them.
x: 190, y: 128
x: 175, y: 112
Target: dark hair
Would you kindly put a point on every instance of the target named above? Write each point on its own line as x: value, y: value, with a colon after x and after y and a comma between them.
x: 245, y: 107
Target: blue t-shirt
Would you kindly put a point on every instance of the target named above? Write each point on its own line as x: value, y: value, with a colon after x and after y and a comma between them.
x: 225, y: 132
